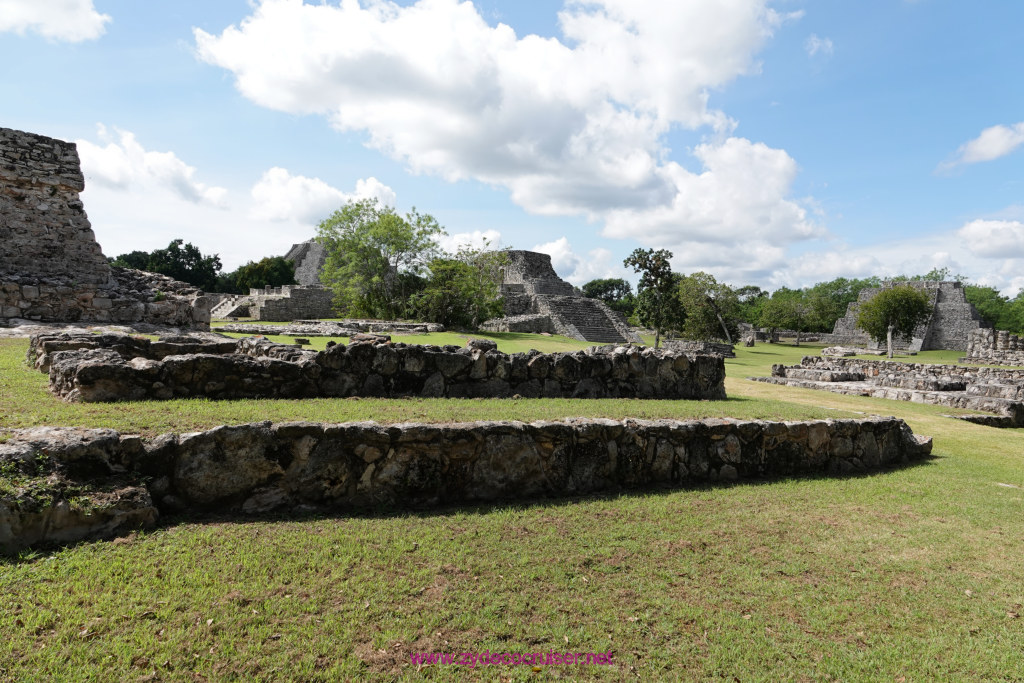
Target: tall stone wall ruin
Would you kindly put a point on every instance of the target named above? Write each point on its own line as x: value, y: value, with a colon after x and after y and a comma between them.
x: 51, y: 267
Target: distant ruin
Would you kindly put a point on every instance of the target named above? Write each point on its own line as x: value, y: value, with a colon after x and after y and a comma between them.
x: 51, y: 267
x: 537, y: 300
x: 953, y: 318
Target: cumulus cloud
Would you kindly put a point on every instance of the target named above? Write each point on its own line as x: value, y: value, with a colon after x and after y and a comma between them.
x: 994, y: 239
x: 123, y: 163
x: 281, y: 196
x: 476, y: 239
x: 63, y: 20
x: 580, y: 269
x: 818, y: 46
x: 994, y: 142
x: 572, y: 126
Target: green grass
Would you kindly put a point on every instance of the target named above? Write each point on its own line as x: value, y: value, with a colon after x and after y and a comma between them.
x: 913, y: 574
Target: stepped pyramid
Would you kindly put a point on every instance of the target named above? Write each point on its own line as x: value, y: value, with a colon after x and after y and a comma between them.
x: 953, y: 319
x: 537, y: 300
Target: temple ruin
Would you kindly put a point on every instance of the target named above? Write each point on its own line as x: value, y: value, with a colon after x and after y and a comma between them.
x: 952, y: 321
x: 537, y: 300
x: 51, y: 267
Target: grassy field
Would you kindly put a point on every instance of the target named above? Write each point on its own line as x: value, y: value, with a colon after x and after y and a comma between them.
x: 913, y: 574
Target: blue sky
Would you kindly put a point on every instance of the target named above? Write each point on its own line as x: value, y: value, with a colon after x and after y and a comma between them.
x: 770, y: 143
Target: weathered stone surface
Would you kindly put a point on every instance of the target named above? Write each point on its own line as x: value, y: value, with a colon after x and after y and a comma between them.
x: 992, y: 346
x: 51, y: 267
x: 995, y: 390
x: 259, y: 467
x: 112, y: 367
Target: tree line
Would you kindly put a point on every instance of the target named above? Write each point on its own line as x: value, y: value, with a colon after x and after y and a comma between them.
x: 381, y: 264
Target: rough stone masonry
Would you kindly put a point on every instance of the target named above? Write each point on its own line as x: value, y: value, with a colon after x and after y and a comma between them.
x: 51, y: 267
x: 129, y: 480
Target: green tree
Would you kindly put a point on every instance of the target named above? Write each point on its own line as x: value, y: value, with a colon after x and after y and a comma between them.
x: 180, y: 261
x: 375, y: 257
x: 271, y: 271
x: 657, y: 302
x: 712, y: 308
x: 463, y: 290
x: 829, y: 301
x: 788, y: 309
x: 614, y: 291
x: 751, y: 299
x: 898, y: 311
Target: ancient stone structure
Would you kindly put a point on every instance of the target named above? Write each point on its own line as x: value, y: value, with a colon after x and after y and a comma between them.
x: 51, y: 267
x: 991, y: 390
x: 953, y: 318
x: 713, y: 348
x: 113, y: 370
x: 537, y: 300
x: 309, y: 258
x: 264, y: 466
x: 278, y: 304
x: 992, y: 346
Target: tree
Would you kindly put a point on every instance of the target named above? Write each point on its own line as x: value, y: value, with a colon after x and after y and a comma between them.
x: 375, y: 257
x: 180, y: 261
x: 711, y: 307
x: 751, y: 300
x: 614, y: 291
x: 464, y: 290
x: 272, y: 271
x: 898, y: 310
x: 657, y: 300
x: 787, y: 309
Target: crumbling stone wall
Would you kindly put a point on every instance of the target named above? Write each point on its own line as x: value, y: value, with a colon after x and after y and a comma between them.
x: 51, y: 267
x: 992, y: 390
x: 291, y: 302
x: 994, y: 346
x: 689, y: 346
x: 260, y: 368
x: 260, y: 467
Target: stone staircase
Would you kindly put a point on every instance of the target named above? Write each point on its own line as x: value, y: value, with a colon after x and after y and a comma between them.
x: 591, y: 318
x: 228, y: 308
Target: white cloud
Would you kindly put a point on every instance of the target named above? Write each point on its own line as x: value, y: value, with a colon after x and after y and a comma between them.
x: 574, y: 126
x: 281, y: 196
x: 992, y: 143
x: 65, y: 20
x: 124, y: 163
x: 577, y: 269
x: 994, y: 239
x: 477, y: 239
x: 815, y: 46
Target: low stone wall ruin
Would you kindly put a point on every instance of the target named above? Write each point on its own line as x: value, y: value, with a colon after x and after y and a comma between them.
x: 992, y: 346
x: 689, y: 346
x: 251, y: 468
x: 993, y: 390
x: 258, y: 368
x: 332, y: 328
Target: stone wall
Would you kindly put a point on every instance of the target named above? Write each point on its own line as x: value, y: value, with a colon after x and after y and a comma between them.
x: 994, y: 346
x: 953, y: 319
x: 262, y: 369
x: 345, y: 327
x: 291, y: 302
x: 259, y: 467
x: 992, y: 390
x: 308, y: 258
x: 688, y: 346
x: 51, y: 267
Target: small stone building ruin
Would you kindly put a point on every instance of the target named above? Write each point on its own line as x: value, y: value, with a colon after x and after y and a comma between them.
x: 51, y: 267
x: 537, y: 300
x: 953, y: 319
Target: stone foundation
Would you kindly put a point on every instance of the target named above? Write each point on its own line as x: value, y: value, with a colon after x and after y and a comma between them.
x: 258, y: 368
x: 713, y: 348
x: 993, y: 390
x: 259, y: 467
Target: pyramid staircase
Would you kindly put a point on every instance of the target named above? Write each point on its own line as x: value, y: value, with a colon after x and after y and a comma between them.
x: 591, y: 318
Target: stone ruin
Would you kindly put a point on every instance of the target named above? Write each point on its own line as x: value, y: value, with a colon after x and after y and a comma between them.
x: 538, y: 301
x: 52, y: 268
x: 996, y: 347
x: 93, y: 368
x: 991, y: 390
x: 129, y: 480
x: 953, y: 319
x: 332, y: 328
